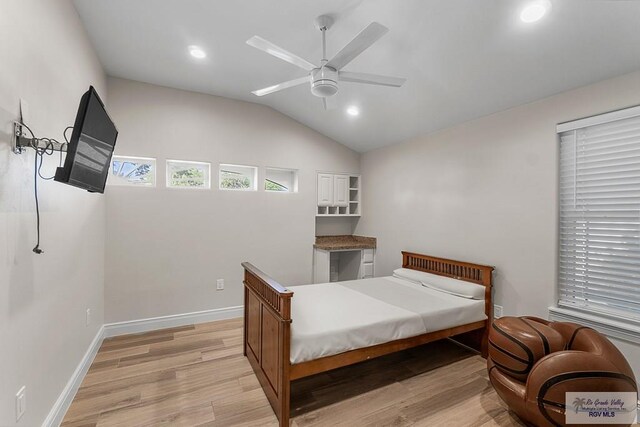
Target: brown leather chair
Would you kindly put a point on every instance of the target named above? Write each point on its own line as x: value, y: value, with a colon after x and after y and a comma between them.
x: 532, y: 363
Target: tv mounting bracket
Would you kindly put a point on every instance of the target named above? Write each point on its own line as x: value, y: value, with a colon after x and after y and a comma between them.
x: 20, y: 141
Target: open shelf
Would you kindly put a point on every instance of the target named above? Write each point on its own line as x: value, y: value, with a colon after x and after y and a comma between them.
x: 354, y: 182
x: 354, y: 208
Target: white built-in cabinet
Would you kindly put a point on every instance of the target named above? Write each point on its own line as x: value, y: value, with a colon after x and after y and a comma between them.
x: 339, y: 194
x: 325, y: 190
x: 340, y: 265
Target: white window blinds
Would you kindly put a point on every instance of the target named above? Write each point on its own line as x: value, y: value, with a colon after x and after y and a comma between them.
x: 599, y: 234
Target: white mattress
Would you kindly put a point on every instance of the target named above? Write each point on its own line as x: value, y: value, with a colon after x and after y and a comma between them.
x: 332, y: 318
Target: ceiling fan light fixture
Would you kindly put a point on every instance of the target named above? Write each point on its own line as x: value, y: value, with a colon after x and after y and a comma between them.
x: 324, y: 88
x: 324, y: 82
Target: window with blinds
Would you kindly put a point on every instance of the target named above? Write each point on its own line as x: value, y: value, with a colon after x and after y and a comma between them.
x: 599, y: 229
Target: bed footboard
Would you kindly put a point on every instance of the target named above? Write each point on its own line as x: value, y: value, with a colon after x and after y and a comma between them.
x: 267, y: 337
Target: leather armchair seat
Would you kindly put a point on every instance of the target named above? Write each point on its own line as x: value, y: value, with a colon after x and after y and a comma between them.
x: 532, y: 363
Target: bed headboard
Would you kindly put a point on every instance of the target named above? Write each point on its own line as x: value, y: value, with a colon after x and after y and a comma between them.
x: 474, y: 273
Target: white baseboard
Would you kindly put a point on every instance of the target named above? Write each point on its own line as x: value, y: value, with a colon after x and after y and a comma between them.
x: 61, y: 406
x: 171, y: 321
x: 69, y: 392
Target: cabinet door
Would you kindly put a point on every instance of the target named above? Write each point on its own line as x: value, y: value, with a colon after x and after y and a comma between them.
x: 321, y: 266
x: 367, y: 255
x: 325, y: 189
x: 367, y: 270
x: 341, y: 190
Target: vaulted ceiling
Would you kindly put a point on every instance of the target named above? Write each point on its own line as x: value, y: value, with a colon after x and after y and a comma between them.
x: 463, y: 59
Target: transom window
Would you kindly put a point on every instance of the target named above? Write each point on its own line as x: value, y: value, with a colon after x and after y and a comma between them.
x: 238, y: 177
x: 133, y: 171
x: 281, y: 180
x: 188, y: 174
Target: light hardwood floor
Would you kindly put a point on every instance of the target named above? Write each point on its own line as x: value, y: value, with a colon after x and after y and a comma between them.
x: 197, y: 376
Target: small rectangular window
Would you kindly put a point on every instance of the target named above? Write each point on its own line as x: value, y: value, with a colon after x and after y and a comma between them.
x: 187, y: 174
x: 238, y: 177
x: 133, y: 171
x: 281, y: 180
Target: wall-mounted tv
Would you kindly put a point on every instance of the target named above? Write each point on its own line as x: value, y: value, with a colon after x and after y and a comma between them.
x: 90, y: 147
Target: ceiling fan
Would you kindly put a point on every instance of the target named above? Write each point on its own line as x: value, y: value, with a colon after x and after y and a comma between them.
x: 324, y: 78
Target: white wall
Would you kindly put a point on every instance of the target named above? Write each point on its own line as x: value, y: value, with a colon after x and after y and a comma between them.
x: 486, y: 192
x: 327, y: 226
x: 167, y: 247
x: 47, y: 60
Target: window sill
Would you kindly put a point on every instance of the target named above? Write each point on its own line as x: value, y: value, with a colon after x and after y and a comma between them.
x: 628, y: 330
x: 241, y: 190
x: 178, y: 187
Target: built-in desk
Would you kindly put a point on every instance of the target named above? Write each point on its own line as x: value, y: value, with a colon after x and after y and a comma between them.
x: 339, y: 258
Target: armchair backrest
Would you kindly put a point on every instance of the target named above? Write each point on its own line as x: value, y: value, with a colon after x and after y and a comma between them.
x: 582, y: 338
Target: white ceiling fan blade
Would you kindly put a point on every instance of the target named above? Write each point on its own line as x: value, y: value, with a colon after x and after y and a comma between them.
x: 359, y: 44
x: 372, y: 79
x: 280, y: 86
x: 330, y: 103
x: 278, y: 52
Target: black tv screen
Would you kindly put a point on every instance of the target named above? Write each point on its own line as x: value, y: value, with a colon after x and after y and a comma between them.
x: 90, y: 147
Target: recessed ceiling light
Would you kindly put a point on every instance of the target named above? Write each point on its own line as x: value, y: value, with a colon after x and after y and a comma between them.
x: 196, y: 52
x: 535, y: 10
x: 353, y: 111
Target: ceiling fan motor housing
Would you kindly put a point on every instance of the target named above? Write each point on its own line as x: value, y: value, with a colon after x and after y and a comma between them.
x: 324, y: 81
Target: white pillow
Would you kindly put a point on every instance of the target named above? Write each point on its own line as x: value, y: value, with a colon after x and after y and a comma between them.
x: 441, y: 283
x: 405, y: 277
x: 414, y: 276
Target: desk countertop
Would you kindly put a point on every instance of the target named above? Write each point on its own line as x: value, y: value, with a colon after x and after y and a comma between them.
x: 336, y: 243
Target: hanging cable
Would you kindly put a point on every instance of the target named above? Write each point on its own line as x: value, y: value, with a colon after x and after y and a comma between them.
x: 36, y: 249
x: 40, y: 151
x: 64, y: 133
x: 66, y: 140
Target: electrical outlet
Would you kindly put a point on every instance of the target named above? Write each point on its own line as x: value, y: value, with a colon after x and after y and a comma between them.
x: 88, y: 319
x: 497, y: 311
x: 21, y: 402
x: 220, y: 284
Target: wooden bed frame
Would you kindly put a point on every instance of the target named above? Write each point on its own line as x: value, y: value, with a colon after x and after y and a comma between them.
x: 267, y: 331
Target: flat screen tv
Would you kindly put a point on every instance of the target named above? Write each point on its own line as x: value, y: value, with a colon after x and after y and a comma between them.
x: 90, y: 147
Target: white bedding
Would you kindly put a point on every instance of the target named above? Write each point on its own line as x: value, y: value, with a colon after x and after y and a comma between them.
x: 332, y: 318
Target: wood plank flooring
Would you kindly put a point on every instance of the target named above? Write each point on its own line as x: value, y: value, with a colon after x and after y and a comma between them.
x: 197, y: 376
